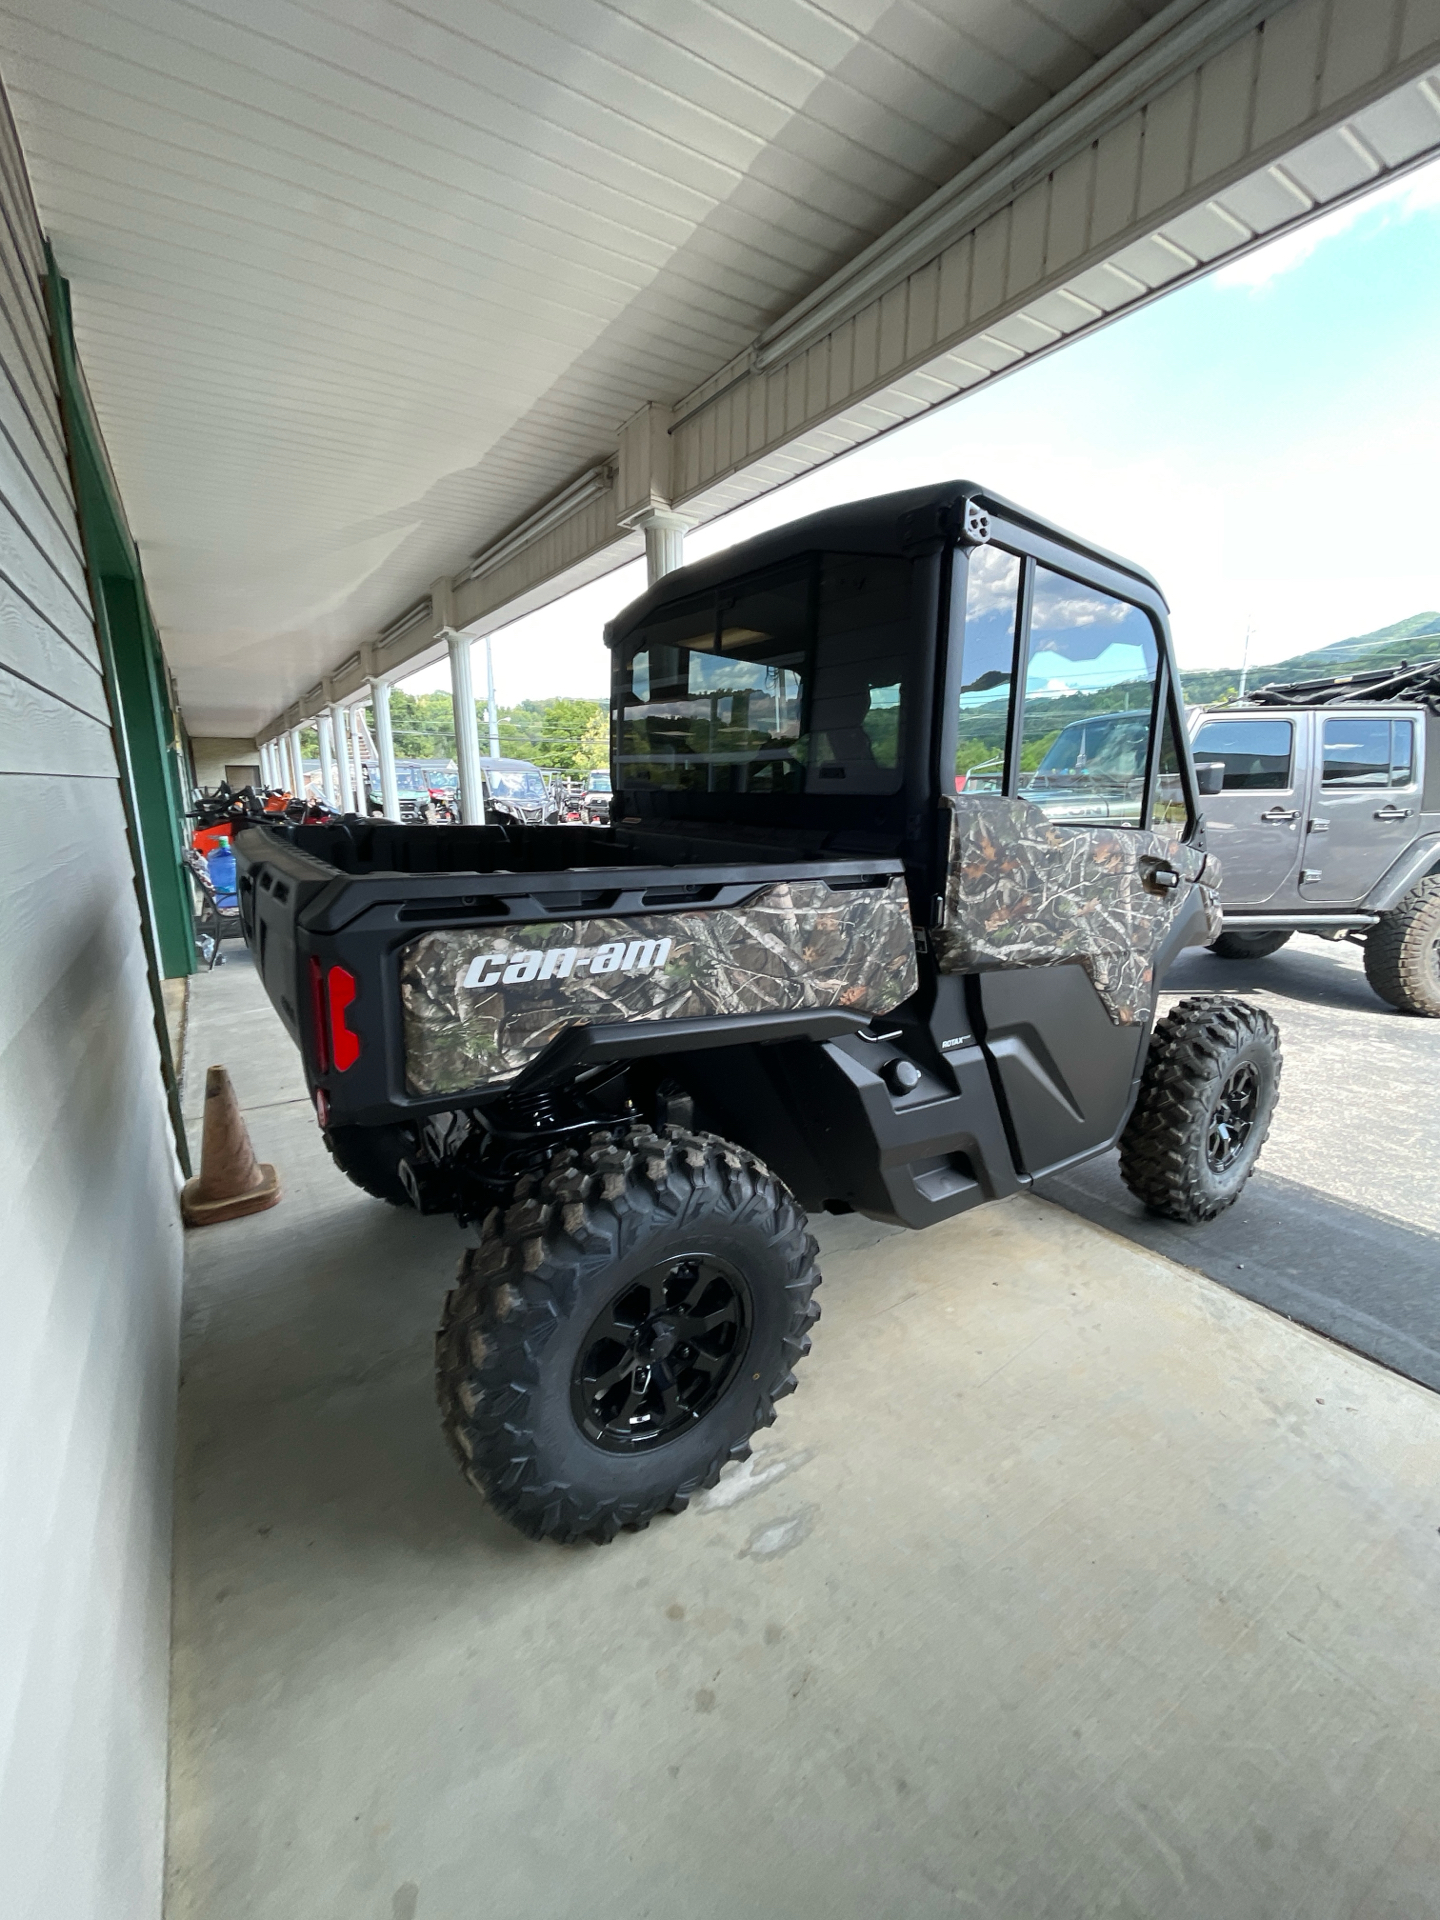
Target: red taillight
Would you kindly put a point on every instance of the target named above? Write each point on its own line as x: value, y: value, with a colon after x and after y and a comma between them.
x: 959, y: 783
x: 344, y: 1045
x: 317, y: 1016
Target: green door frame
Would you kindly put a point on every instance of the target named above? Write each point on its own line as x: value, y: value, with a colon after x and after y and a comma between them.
x: 149, y: 750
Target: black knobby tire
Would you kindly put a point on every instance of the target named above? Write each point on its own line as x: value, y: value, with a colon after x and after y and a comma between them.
x: 369, y: 1157
x: 1208, y: 1091
x: 1247, y: 946
x: 521, y: 1320
x: 1402, y: 953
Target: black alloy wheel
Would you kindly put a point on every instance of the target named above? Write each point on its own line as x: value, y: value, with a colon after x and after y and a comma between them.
x: 661, y: 1354
x: 1207, y: 1096
x: 1233, y: 1118
x: 623, y: 1328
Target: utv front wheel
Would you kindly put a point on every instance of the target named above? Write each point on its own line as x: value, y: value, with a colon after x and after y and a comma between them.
x: 1206, y: 1100
x: 1247, y: 946
x: 621, y: 1331
x: 1402, y: 953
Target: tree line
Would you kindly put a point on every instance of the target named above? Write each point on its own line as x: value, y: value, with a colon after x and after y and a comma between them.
x: 567, y: 734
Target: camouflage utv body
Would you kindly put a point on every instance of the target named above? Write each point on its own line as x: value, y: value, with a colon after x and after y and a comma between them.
x: 480, y: 1005
x: 1022, y: 891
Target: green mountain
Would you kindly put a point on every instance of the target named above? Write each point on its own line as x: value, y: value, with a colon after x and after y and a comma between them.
x: 1411, y: 640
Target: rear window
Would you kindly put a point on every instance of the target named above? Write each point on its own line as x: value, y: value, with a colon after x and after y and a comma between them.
x: 1361, y: 751
x: 792, y: 683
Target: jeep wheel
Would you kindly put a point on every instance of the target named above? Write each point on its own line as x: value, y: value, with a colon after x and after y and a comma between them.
x: 1247, y: 946
x: 622, y: 1329
x: 1206, y: 1100
x: 369, y: 1157
x: 1402, y: 953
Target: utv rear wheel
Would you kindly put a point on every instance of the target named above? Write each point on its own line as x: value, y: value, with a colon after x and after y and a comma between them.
x: 1247, y: 946
x: 1402, y: 953
x: 1207, y: 1096
x: 370, y: 1158
x: 622, y: 1329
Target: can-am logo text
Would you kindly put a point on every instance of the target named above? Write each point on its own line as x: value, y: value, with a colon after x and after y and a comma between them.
x: 558, y: 963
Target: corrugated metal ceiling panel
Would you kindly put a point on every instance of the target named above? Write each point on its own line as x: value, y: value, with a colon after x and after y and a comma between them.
x: 356, y: 285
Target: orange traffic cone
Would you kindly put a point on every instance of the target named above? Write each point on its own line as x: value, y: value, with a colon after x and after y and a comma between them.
x: 232, y: 1181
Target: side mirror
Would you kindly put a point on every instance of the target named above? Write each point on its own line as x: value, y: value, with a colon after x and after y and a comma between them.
x: 1210, y: 776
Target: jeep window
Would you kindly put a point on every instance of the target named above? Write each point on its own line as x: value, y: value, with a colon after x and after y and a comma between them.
x: 1090, y: 666
x: 1366, y: 751
x: 987, y: 669
x: 792, y: 685
x: 1402, y: 753
x: 1258, y: 754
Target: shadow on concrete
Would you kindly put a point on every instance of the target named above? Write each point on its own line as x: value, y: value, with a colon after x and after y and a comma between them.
x: 1364, y: 1280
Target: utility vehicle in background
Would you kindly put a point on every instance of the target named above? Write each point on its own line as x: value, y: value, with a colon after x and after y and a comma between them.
x: 797, y: 971
x: 1328, y: 822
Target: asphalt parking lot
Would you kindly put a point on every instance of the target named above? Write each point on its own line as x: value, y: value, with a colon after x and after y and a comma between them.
x: 1340, y: 1227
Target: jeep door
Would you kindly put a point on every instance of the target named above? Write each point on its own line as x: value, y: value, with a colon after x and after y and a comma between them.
x: 1255, y: 826
x: 1364, y: 802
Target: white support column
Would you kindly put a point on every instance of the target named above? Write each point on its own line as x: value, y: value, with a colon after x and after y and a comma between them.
x: 327, y: 755
x: 385, y: 747
x: 265, y: 763
x: 664, y: 541
x: 297, y: 764
x: 357, y: 762
x: 341, y: 728
x: 467, y: 741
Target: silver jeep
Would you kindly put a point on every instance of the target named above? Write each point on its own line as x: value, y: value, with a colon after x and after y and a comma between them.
x: 1322, y: 801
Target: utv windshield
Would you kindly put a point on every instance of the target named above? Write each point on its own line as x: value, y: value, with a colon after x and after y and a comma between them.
x: 515, y: 783
x: 1109, y: 746
x: 792, y: 683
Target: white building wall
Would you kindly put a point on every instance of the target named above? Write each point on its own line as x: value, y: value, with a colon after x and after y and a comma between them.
x: 90, y: 1274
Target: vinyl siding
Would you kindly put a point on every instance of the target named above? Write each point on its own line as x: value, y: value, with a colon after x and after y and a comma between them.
x: 91, y: 1274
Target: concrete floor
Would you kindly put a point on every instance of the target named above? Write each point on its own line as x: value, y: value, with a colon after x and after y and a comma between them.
x: 1069, y: 1584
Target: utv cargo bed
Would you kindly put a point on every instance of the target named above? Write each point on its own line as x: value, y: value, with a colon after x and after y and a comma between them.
x: 422, y: 968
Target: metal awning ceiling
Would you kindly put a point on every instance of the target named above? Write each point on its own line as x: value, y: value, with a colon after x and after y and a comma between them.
x: 358, y: 287
x: 354, y: 285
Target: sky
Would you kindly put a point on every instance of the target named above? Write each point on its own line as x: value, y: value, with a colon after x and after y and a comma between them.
x: 1266, y: 441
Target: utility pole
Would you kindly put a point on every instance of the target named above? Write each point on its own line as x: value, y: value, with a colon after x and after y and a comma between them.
x: 493, y: 717
x: 1245, y: 660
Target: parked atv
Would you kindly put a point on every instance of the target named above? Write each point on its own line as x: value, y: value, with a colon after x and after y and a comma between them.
x: 1327, y: 821
x: 797, y: 972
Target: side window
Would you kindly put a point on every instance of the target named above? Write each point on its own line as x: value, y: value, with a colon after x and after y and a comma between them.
x: 1367, y: 751
x: 1402, y: 753
x: 987, y: 669
x: 1259, y: 755
x: 1090, y: 669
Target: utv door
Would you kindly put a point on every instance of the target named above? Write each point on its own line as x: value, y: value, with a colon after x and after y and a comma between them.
x: 1065, y: 892
x: 1256, y: 826
x: 1364, y: 803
